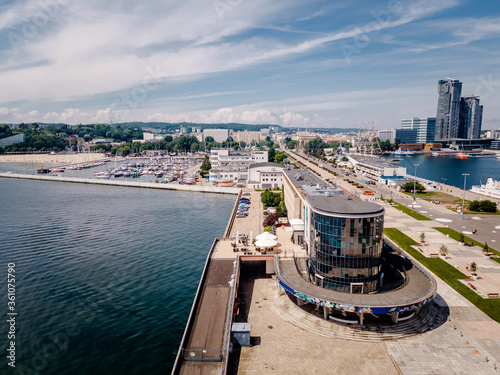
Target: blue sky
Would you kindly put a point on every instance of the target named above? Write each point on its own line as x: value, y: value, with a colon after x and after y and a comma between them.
x: 314, y: 64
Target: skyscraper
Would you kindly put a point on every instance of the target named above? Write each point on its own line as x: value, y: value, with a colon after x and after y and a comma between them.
x: 448, y: 110
x: 471, y: 117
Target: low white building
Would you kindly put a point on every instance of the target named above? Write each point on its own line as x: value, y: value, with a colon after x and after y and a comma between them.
x: 265, y: 176
x: 380, y: 170
x: 227, y: 174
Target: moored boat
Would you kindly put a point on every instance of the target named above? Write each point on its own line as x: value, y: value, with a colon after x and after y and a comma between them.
x: 490, y: 189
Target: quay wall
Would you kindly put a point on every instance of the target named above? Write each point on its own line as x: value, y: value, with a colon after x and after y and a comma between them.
x: 135, y: 184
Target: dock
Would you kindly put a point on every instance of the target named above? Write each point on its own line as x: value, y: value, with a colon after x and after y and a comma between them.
x: 123, y: 183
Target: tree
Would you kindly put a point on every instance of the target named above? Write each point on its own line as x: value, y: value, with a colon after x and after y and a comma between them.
x: 209, y: 139
x: 282, y: 207
x: 422, y: 237
x: 488, y: 206
x: 443, y: 251
x: 206, y: 165
x: 271, y: 154
x: 486, y: 248
x: 485, y: 206
x: 168, y: 138
x: 291, y: 144
x: 475, y: 206
x: 270, y: 220
x: 243, y: 144
x: 270, y: 199
x: 280, y: 157
x: 385, y: 145
x: 408, y: 187
x: 5, y: 131
x: 397, y: 141
x: 473, y: 267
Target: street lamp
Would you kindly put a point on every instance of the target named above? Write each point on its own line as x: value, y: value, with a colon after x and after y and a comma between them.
x: 415, y: 182
x: 444, y: 181
x: 463, y: 199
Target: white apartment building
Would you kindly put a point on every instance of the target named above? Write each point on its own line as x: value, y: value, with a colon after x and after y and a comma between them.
x: 221, y: 158
x: 248, y: 136
x: 219, y: 135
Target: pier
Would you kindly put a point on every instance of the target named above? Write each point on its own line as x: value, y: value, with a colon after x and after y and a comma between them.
x: 125, y: 183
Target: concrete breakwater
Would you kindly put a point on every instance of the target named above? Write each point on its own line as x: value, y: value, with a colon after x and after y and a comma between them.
x: 135, y: 184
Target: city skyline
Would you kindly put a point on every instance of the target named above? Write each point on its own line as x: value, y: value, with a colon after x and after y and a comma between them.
x: 292, y: 64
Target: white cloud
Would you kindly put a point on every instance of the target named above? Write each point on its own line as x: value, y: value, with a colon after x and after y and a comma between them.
x: 294, y: 119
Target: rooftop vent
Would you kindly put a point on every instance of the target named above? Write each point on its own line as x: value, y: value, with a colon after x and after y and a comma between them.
x: 298, y: 176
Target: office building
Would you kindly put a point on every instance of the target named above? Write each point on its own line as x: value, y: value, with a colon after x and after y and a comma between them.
x: 448, y: 110
x: 347, y: 271
x: 404, y: 135
x: 425, y: 127
x: 471, y: 117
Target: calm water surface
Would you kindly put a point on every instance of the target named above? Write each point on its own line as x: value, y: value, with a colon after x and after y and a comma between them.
x: 436, y: 168
x: 105, y: 276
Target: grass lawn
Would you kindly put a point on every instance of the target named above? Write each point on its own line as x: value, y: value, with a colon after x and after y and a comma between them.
x: 410, y: 212
x: 446, y: 272
x: 437, y: 196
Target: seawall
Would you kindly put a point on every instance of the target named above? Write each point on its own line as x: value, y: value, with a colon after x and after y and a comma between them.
x: 135, y: 184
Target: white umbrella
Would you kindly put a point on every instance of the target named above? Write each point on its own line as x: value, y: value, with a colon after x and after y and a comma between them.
x: 266, y: 243
x: 266, y: 235
x: 296, y: 222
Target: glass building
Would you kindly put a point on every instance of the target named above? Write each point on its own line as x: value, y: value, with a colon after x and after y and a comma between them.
x: 344, y: 240
x: 425, y: 127
x: 448, y: 110
x: 471, y: 117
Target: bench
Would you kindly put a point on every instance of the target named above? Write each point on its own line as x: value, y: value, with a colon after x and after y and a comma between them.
x: 473, y: 287
x: 420, y: 249
x: 467, y: 277
x: 434, y: 255
x: 493, y: 295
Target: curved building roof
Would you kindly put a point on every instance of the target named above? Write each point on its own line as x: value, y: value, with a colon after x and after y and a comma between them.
x: 342, y: 206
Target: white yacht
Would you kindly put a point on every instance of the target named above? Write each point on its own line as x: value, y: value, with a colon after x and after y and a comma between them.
x: 491, y: 189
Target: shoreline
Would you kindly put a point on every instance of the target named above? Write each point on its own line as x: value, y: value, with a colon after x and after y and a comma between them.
x: 134, y: 184
x: 60, y: 159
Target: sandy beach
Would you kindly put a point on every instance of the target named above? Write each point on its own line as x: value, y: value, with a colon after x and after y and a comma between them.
x: 51, y: 159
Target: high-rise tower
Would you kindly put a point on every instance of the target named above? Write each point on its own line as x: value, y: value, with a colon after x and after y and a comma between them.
x: 448, y: 110
x: 471, y: 117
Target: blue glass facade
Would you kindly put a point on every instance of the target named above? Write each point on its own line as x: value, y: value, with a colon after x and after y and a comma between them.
x: 345, y: 251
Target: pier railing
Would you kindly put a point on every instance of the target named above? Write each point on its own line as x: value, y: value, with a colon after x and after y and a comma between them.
x: 229, y: 227
x: 190, y: 322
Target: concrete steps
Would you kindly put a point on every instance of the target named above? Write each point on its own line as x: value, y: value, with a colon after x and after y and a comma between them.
x: 430, y: 318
